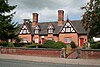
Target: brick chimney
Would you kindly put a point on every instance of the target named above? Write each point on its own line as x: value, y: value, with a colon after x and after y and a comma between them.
x: 60, y: 17
x: 35, y: 19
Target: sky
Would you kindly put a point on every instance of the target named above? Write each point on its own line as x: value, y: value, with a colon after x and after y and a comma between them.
x: 47, y: 9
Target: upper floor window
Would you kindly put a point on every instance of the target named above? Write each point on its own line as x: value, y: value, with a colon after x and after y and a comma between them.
x: 67, y: 29
x: 50, y: 29
x: 36, y: 31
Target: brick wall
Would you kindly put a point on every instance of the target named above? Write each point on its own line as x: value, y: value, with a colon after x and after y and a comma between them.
x: 73, y: 55
x: 74, y: 37
x: 34, y: 52
x: 90, y: 54
x: 28, y: 37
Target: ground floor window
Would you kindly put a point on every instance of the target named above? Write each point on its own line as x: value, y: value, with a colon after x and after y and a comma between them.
x: 67, y: 40
x: 24, y: 40
x: 50, y: 39
x: 36, y: 40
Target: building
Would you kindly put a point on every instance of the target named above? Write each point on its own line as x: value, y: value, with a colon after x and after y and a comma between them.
x: 65, y: 31
x: 96, y: 38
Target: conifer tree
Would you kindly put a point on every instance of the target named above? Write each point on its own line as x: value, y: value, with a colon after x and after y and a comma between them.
x: 7, y: 27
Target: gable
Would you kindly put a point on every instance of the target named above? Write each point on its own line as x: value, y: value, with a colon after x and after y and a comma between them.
x: 37, y: 27
x: 24, y: 29
x: 51, y: 27
x: 67, y: 28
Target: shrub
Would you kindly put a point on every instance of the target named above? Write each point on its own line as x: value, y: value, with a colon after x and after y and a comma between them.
x: 4, y: 44
x: 17, y: 45
x: 84, y: 46
x: 49, y: 44
x: 10, y: 44
x: 73, y: 44
x: 95, y: 45
x: 31, y: 45
x: 59, y: 45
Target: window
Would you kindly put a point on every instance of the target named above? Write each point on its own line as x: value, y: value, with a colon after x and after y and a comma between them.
x: 50, y: 30
x: 24, y: 31
x: 67, y: 29
x: 50, y: 39
x: 36, y: 31
x: 67, y: 40
x: 24, y: 40
x: 36, y: 40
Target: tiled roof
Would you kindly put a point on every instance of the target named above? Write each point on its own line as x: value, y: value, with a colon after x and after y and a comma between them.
x: 44, y: 25
x: 77, y: 24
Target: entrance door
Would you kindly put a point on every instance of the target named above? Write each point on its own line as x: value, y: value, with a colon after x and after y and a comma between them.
x: 42, y: 41
x: 81, y: 42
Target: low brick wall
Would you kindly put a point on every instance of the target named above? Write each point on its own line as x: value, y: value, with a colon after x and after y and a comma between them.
x: 90, y: 53
x: 73, y: 55
x: 33, y: 51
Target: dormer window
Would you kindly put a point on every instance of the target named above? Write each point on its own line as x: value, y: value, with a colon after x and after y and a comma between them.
x: 50, y: 29
x: 36, y: 30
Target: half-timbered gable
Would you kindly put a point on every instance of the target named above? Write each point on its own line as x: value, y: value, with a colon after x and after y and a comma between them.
x: 68, y: 28
x: 25, y: 29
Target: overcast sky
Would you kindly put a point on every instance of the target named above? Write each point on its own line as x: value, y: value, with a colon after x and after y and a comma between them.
x: 47, y: 9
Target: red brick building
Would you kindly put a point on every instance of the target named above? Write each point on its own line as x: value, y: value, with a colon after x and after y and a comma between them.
x: 65, y: 31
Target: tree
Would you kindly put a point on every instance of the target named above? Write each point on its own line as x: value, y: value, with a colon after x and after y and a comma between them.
x: 91, y: 18
x: 73, y: 44
x: 7, y: 27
